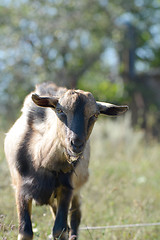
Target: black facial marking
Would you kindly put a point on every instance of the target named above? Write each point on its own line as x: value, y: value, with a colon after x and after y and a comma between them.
x: 78, y: 122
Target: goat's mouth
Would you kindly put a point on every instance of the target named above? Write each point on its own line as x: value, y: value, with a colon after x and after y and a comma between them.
x: 72, y: 156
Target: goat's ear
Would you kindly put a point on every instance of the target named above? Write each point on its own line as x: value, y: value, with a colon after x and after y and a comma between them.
x: 111, y: 109
x: 44, y: 101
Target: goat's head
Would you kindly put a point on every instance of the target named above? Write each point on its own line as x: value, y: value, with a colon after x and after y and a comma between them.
x: 77, y: 112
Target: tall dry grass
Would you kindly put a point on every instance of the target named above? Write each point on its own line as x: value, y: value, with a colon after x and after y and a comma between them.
x: 124, y: 187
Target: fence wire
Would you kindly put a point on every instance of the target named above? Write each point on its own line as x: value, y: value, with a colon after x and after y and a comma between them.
x: 120, y: 226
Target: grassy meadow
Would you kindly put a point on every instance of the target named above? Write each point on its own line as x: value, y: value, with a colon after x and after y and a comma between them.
x: 123, y: 188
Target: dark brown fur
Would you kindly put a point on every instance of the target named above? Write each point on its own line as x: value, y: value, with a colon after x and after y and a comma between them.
x: 47, y: 150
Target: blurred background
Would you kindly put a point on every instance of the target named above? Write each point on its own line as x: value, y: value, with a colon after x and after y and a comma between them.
x: 111, y: 48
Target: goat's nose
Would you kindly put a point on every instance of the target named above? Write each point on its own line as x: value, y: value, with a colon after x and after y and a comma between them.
x: 77, y: 145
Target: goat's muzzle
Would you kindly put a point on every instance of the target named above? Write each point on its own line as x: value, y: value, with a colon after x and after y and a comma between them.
x: 77, y: 145
x: 72, y: 157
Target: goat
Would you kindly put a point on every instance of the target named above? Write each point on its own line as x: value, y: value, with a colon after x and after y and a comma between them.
x: 47, y: 150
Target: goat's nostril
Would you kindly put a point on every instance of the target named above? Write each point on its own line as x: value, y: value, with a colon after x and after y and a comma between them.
x: 77, y: 145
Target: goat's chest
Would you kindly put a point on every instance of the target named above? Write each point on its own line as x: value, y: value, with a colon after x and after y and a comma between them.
x: 42, y: 184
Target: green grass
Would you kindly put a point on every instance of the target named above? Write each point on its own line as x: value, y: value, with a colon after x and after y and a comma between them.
x: 123, y: 188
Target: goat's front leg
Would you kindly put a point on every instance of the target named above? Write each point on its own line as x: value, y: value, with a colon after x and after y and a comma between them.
x: 60, y: 229
x: 53, y: 206
x: 24, y: 212
x: 75, y: 217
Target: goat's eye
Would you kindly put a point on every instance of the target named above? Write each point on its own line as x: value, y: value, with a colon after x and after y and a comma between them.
x: 61, y: 115
x: 96, y: 115
x: 59, y: 111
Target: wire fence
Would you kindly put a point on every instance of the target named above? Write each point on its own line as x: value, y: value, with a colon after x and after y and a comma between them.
x: 120, y: 226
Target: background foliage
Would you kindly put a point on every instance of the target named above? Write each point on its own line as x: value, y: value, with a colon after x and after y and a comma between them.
x: 97, y: 45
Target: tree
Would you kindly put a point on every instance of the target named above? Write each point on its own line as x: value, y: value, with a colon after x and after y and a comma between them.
x: 71, y: 43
